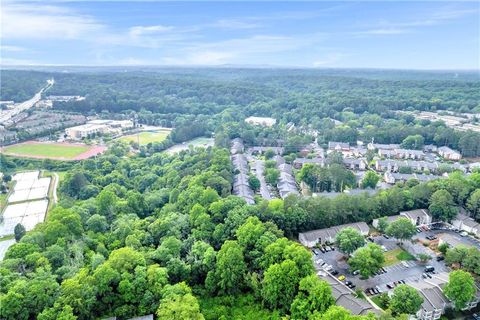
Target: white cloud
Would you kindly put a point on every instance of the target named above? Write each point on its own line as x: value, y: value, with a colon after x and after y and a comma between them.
x: 148, y: 30
x: 11, y: 48
x: 243, y: 50
x: 441, y: 16
x: 39, y: 22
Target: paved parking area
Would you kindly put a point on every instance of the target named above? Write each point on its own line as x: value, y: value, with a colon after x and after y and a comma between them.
x: 408, y: 271
x: 466, y: 240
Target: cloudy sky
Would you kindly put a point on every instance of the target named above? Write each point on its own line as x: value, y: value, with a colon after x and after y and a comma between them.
x: 376, y: 34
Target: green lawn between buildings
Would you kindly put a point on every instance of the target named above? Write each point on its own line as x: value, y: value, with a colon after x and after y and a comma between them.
x: 395, y: 256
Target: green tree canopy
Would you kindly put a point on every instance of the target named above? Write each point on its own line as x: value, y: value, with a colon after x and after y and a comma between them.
x: 460, y: 288
x: 349, y: 239
x: 405, y: 299
x: 367, y: 259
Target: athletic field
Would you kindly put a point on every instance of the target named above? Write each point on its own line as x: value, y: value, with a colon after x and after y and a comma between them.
x: 54, y: 151
x: 146, y: 137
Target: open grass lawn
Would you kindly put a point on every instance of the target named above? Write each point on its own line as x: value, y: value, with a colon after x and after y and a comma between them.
x: 395, y: 256
x: 46, y: 150
x: 146, y: 137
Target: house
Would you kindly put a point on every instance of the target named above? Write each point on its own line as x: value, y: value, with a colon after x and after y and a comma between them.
x: 299, y: 162
x: 418, y: 217
x: 239, y: 162
x: 449, y: 154
x: 345, y: 298
x: 395, y: 165
x: 359, y: 151
x: 286, y: 184
x: 465, y: 223
x: 434, y: 300
x: 430, y: 148
x: 394, y: 177
x: 355, y: 164
x: 237, y: 146
x: 379, y: 146
x: 261, y: 121
x: 338, y: 146
x: 387, y: 165
x: 262, y: 150
x: 241, y: 187
x: 409, y: 154
x: 327, y: 235
x: 386, y: 153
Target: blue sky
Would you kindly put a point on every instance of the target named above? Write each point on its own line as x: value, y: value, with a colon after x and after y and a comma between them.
x: 376, y: 34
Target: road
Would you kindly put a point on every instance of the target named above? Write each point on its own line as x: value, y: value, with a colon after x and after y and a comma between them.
x: 26, y: 104
x: 55, y: 185
x: 259, y: 168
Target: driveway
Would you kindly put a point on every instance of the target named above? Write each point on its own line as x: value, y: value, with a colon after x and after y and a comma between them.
x: 259, y: 166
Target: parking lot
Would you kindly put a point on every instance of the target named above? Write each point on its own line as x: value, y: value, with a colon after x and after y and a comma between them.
x: 390, y: 276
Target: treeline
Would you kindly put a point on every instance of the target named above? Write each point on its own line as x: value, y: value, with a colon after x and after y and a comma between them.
x: 19, y: 85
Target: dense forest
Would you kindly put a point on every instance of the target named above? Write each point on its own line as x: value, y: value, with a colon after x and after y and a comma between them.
x: 207, y: 101
x: 163, y: 234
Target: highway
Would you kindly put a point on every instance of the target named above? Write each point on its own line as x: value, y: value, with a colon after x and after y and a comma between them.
x: 26, y: 104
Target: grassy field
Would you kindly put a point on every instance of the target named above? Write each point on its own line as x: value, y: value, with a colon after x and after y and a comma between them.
x: 395, y: 256
x: 146, y: 137
x: 46, y: 150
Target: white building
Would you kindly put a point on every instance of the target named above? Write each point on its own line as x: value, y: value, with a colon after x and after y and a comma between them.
x: 418, y: 217
x: 261, y: 121
x: 449, y: 154
x: 465, y: 223
x: 311, y: 238
x: 97, y: 127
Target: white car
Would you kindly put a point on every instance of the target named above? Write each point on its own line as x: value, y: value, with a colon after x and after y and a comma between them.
x: 405, y: 264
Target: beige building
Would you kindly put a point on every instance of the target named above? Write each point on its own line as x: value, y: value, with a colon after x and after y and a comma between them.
x: 97, y: 127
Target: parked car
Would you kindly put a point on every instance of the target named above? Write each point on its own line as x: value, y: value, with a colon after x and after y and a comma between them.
x: 440, y: 258
x: 429, y: 269
x: 341, y: 278
x: 385, y: 236
x: 334, y: 272
x: 356, y: 272
x: 405, y: 264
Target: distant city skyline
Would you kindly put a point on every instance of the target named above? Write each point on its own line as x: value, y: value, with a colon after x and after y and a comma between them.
x: 389, y: 35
